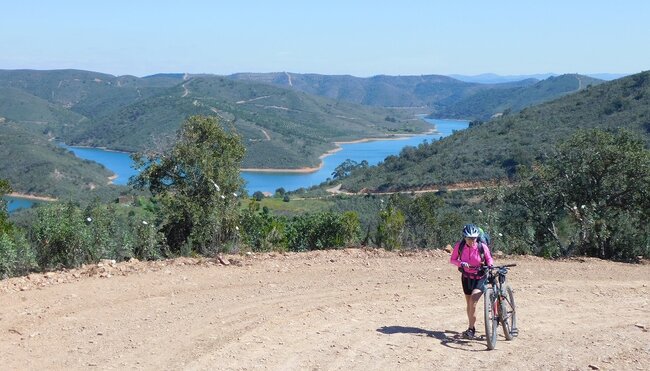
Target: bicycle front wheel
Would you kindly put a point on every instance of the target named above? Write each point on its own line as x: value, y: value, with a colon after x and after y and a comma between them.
x: 491, y: 312
x: 508, y: 313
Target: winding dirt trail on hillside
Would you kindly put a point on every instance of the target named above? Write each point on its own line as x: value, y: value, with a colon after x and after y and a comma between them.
x: 463, y: 186
x: 326, y: 310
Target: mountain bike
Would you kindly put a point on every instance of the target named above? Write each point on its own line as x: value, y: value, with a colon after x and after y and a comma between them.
x: 499, y: 305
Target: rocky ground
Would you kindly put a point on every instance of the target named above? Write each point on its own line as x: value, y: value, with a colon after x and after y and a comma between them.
x: 349, y: 309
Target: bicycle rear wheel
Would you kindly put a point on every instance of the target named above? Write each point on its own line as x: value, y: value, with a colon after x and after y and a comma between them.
x: 508, y: 313
x: 491, y: 317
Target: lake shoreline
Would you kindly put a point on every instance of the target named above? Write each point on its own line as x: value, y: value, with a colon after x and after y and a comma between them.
x: 302, y: 170
x: 28, y: 196
x: 307, y: 170
x: 102, y: 148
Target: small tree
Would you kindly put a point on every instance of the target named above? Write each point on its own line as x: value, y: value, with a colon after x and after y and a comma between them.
x: 344, y: 169
x: 196, y: 184
x: 258, y: 196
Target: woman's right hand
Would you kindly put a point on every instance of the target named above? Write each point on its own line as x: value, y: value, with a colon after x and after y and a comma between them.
x: 464, y: 264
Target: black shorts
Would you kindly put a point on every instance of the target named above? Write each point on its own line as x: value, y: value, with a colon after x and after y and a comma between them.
x: 470, y: 284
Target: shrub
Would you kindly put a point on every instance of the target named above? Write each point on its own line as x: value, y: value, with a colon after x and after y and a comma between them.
x: 148, y: 243
x: 390, y: 228
x: 262, y: 231
x: 16, y: 256
x: 61, y: 237
x: 322, y: 231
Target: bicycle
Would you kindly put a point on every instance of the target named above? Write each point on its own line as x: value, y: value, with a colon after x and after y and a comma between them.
x: 499, y: 305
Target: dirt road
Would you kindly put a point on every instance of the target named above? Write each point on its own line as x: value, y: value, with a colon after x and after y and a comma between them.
x: 331, y: 310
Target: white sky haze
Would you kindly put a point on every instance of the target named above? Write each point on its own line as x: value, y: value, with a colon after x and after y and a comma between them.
x: 360, y: 38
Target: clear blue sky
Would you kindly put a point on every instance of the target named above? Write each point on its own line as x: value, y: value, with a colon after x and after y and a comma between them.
x: 360, y: 38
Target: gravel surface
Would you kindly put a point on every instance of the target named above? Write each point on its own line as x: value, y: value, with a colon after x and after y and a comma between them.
x: 350, y: 309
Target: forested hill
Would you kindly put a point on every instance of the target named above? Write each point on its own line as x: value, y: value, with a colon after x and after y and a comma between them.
x: 485, y: 104
x: 91, y: 94
x: 34, y: 165
x: 494, y: 149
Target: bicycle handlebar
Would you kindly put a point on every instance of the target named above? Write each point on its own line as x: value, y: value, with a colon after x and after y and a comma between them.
x: 492, y: 267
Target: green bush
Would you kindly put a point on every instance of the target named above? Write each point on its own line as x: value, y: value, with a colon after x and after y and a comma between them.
x: 62, y: 237
x: 322, y: 230
x: 390, y: 229
x: 262, y: 231
x: 65, y: 235
x: 16, y: 255
x: 147, y: 243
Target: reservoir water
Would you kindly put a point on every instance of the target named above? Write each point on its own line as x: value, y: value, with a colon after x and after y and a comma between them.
x: 374, y: 152
x: 15, y: 203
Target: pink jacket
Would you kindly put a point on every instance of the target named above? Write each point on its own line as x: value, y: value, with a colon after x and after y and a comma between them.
x: 472, y: 256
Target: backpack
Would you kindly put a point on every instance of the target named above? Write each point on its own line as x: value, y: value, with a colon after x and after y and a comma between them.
x: 484, y: 237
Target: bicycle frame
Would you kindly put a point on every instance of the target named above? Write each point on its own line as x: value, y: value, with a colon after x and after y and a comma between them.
x: 499, y: 306
x: 497, y: 281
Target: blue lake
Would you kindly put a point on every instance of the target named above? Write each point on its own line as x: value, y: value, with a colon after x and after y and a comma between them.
x: 119, y: 163
x: 14, y: 203
x: 374, y: 152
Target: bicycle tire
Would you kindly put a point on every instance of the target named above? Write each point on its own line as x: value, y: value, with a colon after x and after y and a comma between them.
x: 491, y: 317
x: 508, y: 313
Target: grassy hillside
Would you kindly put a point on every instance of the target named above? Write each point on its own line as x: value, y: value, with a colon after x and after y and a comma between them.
x: 20, y: 106
x: 488, y: 103
x: 90, y: 94
x: 35, y: 165
x: 494, y: 149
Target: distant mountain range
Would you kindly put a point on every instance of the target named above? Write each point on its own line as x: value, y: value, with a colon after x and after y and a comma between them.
x: 423, y: 93
x: 439, y: 96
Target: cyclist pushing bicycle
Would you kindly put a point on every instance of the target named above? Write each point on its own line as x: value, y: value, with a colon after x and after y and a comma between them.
x: 469, y: 253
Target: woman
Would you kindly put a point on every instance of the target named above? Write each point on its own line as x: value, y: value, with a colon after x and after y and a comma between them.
x: 468, y: 253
